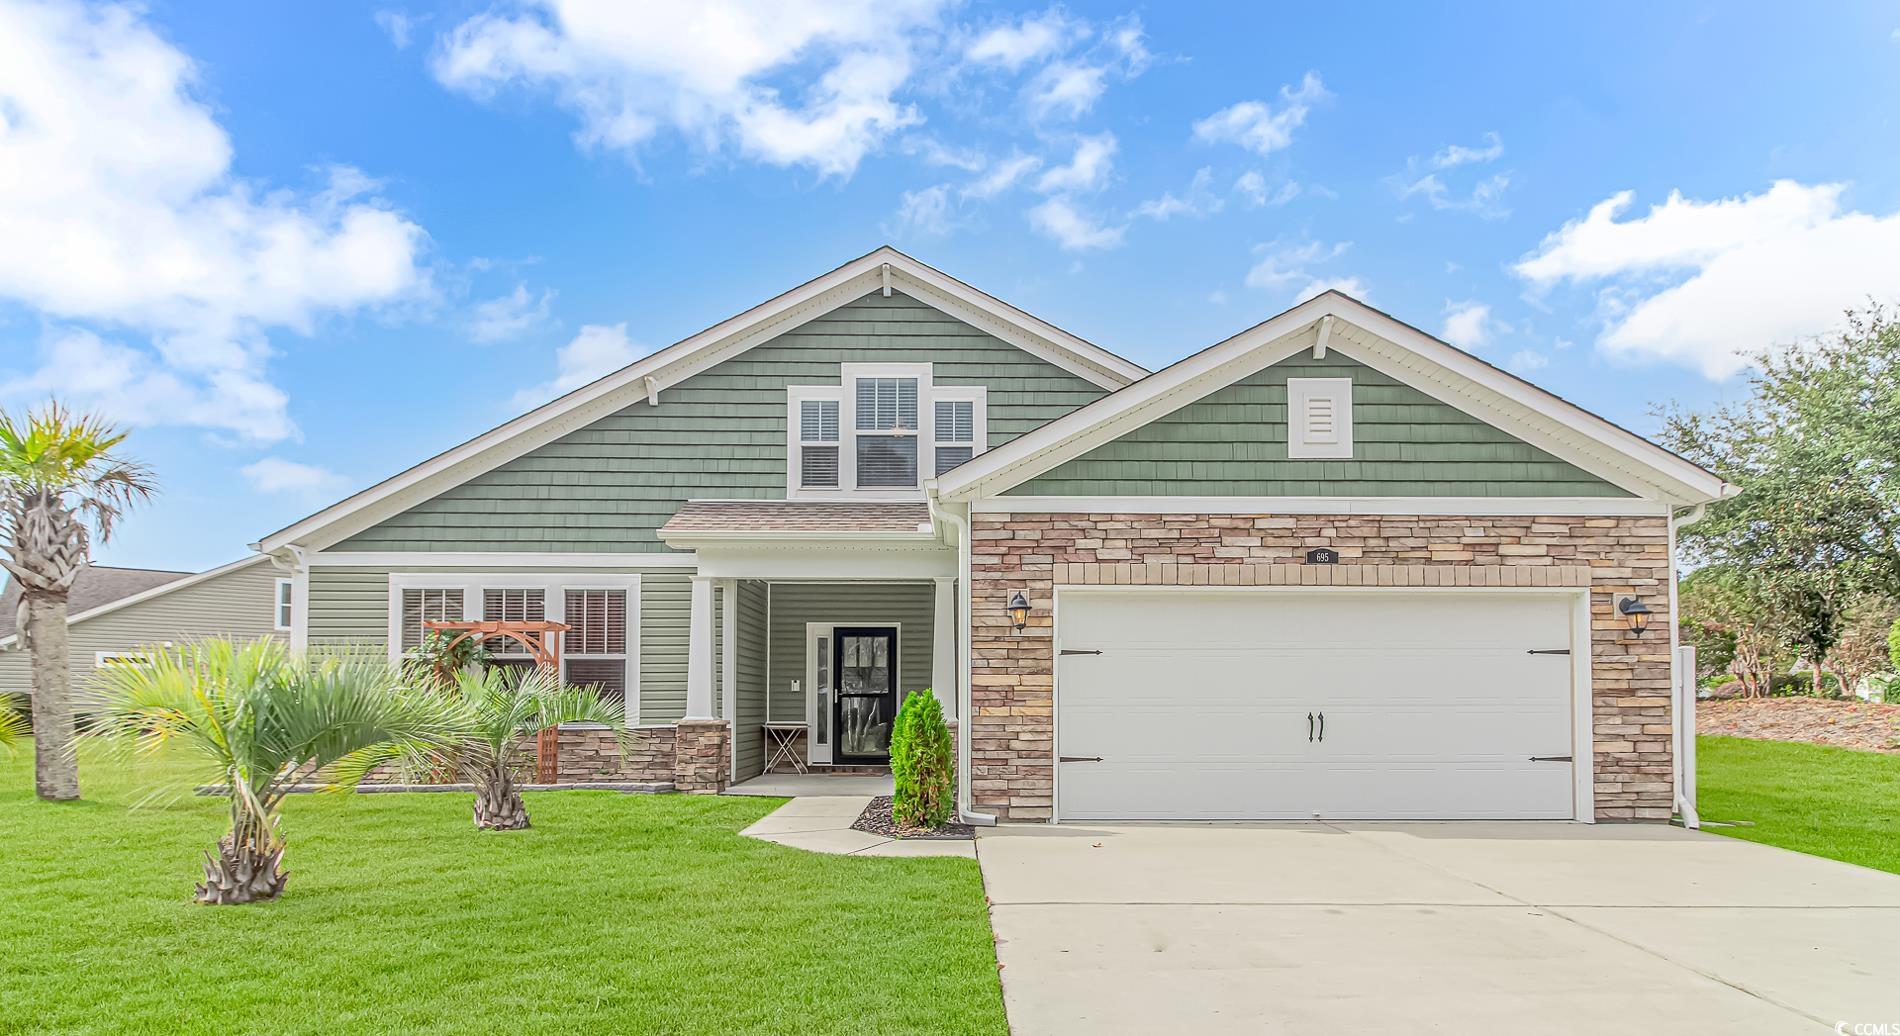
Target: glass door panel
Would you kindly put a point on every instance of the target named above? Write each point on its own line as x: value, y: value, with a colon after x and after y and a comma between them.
x: 864, y: 665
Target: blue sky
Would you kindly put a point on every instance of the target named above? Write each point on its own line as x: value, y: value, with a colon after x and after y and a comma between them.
x: 299, y: 247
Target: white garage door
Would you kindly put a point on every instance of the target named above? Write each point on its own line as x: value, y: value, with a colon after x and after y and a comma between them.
x: 1269, y: 704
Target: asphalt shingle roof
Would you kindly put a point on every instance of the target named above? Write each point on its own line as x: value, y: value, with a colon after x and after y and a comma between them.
x: 768, y: 517
x: 97, y: 585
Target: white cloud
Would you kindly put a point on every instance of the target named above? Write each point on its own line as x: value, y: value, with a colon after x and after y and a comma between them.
x: 1694, y: 282
x: 276, y: 475
x: 1257, y: 125
x: 1453, y: 155
x: 510, y: 316
x: 1058, y: 219
x: 1087, y: 170
x: 1199, y: 201
x: 1000, y: 177
x: 1468, y: 325
x: 1320, y: 285
x: 1485, y: 198
x: 1524, y: 361
x: 1281, y: 263
x: 399, y: 26
x: 598, y: 350
x: 787, y: 82
x: 927, y: 211
x: 1252, y: 187
x: 1013, y: 45
x: 118, y: 208
x: 935, y: 152
x: 1069, y: 87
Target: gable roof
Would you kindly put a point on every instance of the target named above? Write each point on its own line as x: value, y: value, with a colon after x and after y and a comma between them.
x: 95, y: 586
x: 1337, y: 321
x: 80, y: 611
x: 885, y: 269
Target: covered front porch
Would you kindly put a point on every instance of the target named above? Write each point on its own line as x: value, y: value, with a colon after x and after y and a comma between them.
x: 809, y: 623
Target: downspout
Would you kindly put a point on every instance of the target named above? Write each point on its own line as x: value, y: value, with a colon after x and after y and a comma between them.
x: 1682, y: 687
x: 965, y: 803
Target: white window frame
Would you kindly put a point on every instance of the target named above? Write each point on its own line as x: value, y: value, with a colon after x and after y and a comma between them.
x: 978, y: 396
x: 554, y: 587
x: 1299, y: 392
x: 283, y: 606
x: 845, y: 393
x: 796, y: 397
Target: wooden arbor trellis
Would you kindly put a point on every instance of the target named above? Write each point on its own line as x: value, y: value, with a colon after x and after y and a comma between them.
x: 542, y: 638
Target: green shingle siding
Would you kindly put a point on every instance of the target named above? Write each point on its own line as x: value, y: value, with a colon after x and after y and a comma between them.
x: 1233, y: 443
x: 720, y: 433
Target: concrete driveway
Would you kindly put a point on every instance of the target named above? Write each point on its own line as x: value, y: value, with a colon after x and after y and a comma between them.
x: 1412, y: 927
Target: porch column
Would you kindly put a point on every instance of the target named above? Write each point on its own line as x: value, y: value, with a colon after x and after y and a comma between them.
x: 699, y: 651
x: 943, y: 646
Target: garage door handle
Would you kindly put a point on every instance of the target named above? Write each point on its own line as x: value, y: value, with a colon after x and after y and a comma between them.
x: 1078, y: 759
x: 1550, y: 759
x: 1322, y: 726
x: 1309, y: 728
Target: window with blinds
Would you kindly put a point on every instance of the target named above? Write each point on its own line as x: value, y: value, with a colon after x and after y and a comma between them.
x: 426, y: 605
x: 887, y: 433
x: 818, y: 444
x: 956, y: 433
x: 596, y: 646
x: 505, y: 605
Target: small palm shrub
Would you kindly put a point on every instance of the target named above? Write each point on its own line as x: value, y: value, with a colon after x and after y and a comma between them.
x: 12, y: 727
x: 922, y: 764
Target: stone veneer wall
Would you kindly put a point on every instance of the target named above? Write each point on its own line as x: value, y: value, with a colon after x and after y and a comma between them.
x: 703, y: 755
x: 1012, y: 749
x: 594, y: 755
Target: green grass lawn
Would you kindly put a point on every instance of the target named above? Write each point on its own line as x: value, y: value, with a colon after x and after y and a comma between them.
x: 615, y: 913
x: 1830, y: 802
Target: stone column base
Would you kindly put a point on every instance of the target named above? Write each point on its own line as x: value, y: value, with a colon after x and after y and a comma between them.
x: 702, y: 756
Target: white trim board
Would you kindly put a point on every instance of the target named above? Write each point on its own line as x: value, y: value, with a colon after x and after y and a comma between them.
x: 1584, y: 506
x: 1377, y: 340
x: 430, y: 559
x: 158, y: 591
x: 1582, y: 693
x: 649, y: 377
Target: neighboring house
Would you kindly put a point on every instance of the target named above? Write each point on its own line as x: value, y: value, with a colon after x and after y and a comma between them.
x: 1330, y: 566
x: 117, y: 613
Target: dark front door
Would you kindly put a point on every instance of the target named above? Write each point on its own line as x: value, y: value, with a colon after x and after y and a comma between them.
x: 864, y: 659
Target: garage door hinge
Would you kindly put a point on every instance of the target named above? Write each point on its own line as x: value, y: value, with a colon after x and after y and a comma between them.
x: 1550, y: 759
x: 1078, y: 759
x: 1548, y: 651
x: 1079, y: 651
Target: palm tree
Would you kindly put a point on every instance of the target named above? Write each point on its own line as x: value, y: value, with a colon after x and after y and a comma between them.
x: 59, y: 479
x: 12, y: 728
x: 259, y: 716
x: 502, y: 708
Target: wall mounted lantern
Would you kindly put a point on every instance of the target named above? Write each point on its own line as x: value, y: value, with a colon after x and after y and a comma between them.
x: 1019, y: 611
x: 1634, y: 610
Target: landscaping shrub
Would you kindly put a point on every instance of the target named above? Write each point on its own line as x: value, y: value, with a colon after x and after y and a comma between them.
x: 922, y: 765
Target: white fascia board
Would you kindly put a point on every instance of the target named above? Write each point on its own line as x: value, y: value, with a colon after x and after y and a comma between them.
x: 683, y: 359
x: 478, y: 559
x: 158, y: 591
x: 1580, y: 506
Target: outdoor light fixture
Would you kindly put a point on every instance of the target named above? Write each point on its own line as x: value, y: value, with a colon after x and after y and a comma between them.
x: 1636, y: 612
x: 1019, y: 611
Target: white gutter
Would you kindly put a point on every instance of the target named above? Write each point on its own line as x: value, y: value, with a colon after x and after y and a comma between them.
x: 1683, y: 686
x: 965, y: 720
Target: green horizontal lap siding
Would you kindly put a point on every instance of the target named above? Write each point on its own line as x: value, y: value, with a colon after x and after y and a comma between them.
x: 749, y: 683
x: 911, y: 606
x: 1233, y: 443
x: 349, y: 607
x: 718, y: 434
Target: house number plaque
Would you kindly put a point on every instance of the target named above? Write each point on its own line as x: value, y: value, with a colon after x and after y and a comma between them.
x: 1322, y: 556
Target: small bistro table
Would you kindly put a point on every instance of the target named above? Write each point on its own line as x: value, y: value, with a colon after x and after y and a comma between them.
x: 781, y: 745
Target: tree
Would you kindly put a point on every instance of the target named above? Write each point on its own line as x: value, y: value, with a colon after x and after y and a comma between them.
x: 1731, y: 613
x: 922, y: 770
x: 59, y: 481
x: 259, y: 716
x: 1815, y: 449
x: 498, y: 711
x: 12, y: 728
x: 1862, y: 650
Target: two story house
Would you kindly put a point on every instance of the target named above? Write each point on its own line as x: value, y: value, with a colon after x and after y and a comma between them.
x: 1328, y: 567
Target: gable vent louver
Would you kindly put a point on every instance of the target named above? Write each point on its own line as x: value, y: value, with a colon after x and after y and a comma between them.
x: 1319, y: 418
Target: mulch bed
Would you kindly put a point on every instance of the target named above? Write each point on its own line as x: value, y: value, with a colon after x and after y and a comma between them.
x: 876, y: 820
x: 1862, y: 725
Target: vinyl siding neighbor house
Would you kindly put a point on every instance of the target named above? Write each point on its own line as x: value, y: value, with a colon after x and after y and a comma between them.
x: 116, y: 614
x: 1329, y: 567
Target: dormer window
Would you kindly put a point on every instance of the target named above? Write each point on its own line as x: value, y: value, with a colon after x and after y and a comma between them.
x: 1319, y: 418
x: 881, y: 432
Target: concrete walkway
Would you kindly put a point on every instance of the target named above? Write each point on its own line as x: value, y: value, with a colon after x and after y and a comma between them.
x: 1398, y: 928
x: 822, y: 824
